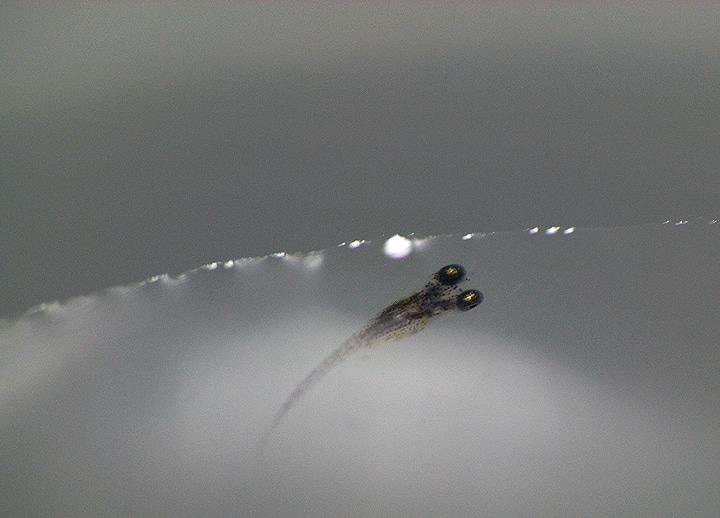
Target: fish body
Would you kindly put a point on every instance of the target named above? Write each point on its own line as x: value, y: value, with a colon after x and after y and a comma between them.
x: 401, y: 319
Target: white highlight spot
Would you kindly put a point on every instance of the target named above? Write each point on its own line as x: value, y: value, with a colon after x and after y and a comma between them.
x: 397, y: 247
x: 467, y: 236
x: 569, y: 230
x: 229, y: 264
x: 533, y: 230
x: 552, y: 231
x: 355, y: 244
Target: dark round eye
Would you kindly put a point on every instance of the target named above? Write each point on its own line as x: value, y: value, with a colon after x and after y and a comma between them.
x: 469, y: 299
x: 450, y: 275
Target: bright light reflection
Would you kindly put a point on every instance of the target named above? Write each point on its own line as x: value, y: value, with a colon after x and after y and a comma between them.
x: 397, y: 247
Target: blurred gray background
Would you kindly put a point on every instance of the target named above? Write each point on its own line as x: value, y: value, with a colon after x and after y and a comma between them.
x: 145, y: 139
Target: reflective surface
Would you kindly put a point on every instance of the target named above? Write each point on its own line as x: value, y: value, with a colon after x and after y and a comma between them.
x: 585, y: 384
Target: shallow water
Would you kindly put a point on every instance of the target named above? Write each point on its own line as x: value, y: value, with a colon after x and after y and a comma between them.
x: 585, y: 384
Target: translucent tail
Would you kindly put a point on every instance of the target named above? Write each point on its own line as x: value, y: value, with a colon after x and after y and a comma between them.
x: 330, y: 361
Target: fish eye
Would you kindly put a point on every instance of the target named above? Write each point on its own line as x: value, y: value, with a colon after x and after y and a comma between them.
x: 469, y: 299
x: 450, y: 275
